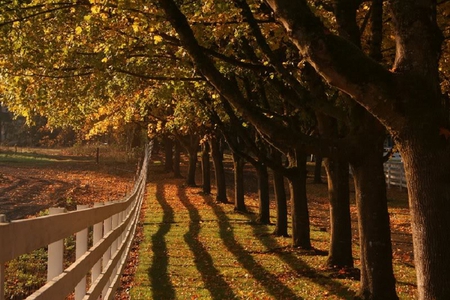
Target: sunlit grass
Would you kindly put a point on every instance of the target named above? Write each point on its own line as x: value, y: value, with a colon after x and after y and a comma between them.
x: 194, y: 248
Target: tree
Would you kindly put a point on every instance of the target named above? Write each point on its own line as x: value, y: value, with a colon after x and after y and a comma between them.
x: 408, y: 102
x: 378, y: 267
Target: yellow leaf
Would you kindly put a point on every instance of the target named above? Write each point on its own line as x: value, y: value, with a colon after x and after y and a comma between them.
x: 95, y: 9
x: 78, y: 30
x: 135, y: 27
x: 157, y: 39
x: 87, y: 18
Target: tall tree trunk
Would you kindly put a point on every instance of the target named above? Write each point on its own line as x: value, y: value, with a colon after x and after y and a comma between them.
x: 340, y: 251
x: 296, y: 176
x: 192, y: 167
x: 263, y: 194
x: 239, y: 203
x: 206, y: 169
x: 219, y: 171
x: 318, y: 169
x: 168, y: 154
x: 377, y: 279
x: 281, y: 228
x: 428, y: 179
x: 176, y: 160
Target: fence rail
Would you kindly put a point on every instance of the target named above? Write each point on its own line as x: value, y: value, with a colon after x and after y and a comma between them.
x: 113, y: 226
x: 395, y: 174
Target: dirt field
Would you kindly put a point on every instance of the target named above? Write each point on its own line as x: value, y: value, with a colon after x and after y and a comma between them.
x: 31, y: 183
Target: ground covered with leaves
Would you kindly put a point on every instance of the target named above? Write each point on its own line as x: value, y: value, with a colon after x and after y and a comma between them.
x: 195, y: 248
x: 188, y: 246
x: 33, y: 180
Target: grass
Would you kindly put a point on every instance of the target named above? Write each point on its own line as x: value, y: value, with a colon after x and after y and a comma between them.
x: 194, y: 248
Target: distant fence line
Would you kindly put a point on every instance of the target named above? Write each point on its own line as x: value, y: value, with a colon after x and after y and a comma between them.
x: 112, y: 226
x: 395, y: 174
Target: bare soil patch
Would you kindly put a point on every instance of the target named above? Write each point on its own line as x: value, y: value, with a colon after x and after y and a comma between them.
x: 29, y: 187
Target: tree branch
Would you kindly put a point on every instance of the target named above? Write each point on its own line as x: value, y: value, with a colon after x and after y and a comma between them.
x: 157, y: 78
x: 228, y: 89
x: 340, y: 62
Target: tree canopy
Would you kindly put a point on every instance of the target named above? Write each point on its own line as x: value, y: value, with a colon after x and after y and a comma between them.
x: 166, y: 65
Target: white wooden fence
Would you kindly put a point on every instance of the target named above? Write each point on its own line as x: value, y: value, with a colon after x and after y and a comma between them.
x: 395, y: 174
x: 113, y: 225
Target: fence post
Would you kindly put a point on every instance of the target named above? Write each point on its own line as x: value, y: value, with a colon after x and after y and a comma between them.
x: 107, y: 226
x: 55, y: 251
x: 115, y: 222
x: 80, y: 249
x: 2, y: 267
x: 121, y: 218
x: 389, y: 175
x: 97, y: 235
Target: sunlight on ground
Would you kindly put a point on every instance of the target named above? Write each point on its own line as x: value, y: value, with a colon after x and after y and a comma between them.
x: 194, y: 248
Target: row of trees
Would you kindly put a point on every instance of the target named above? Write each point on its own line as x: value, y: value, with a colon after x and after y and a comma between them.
x: 278, y: 79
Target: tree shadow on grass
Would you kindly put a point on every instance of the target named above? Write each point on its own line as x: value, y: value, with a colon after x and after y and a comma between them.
x: 269, y: 281
x: 216, y: 285
x: 297, y: 264
x: 160, y: 280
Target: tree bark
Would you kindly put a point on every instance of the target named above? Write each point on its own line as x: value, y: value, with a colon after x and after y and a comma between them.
x: 221, y: 187
x: 168, y: 154
x: 427, y: 164
x: 192, y: 167
x: 377, y: 279
x: 296, y: 176
x: 176, y: 160
x: 191, y: 143
x: 206, y: 169
x: 281, y: 228
x: 318, y: 169
x: 263, y: 194
x: 239, y: 203
x: 340, y: 250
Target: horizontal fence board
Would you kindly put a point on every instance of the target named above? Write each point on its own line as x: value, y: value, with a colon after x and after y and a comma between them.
x: 49, y: 229
x: 395, y: 174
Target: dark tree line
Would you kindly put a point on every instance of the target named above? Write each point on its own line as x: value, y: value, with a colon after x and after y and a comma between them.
x: 371, y: 99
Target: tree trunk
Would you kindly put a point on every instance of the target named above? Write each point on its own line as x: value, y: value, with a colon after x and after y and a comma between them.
x: 168, y: 154
x: 176, y: 160
x: 281, y: 228
x: 206, y: 169
x: 296, y: 176
x: 318, y: 169
x: 190, y: 180
x: 239, y: 203
x: 377, y: 279
x: 263, y: 194
x: 219, y: 171
x: 340, y: 251
x: 427, y: 164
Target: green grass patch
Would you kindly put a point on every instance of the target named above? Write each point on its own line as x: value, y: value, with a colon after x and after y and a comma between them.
x: 25, y: 158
